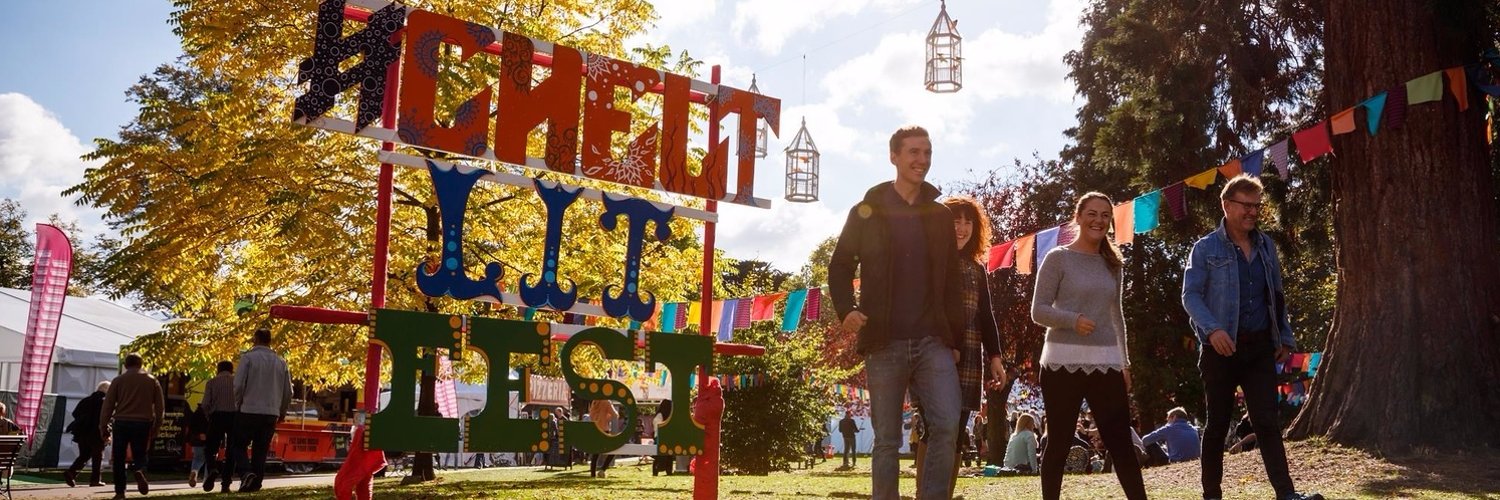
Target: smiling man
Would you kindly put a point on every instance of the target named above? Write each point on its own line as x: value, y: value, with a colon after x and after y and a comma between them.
x: 907, y: 317
x: 1233, y: 295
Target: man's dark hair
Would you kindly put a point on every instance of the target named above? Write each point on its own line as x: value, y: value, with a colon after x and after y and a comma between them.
x: 262, y: 336
x: 133, y: 360
x: 226, y: 366
x: 904, y: 132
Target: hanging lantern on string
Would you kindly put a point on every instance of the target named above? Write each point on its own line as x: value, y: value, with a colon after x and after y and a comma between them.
x: 945, y: 71
x: 761, y: 136
x: 802, y: 167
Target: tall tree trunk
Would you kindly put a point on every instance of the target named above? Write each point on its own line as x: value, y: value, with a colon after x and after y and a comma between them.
x: 1413, y: 359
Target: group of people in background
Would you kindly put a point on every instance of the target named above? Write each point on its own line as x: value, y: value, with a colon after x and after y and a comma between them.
x: 926, y: 330
x: 239, y: 410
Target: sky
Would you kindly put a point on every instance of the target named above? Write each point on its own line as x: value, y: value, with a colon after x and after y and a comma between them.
x: 64, y: 71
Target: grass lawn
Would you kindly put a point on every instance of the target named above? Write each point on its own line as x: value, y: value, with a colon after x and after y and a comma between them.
x: 1336, y: 472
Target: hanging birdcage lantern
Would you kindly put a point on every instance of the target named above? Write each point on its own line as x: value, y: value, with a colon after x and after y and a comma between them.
x: 802, y: 167
x: 945, y: 70
x: 760, y: 126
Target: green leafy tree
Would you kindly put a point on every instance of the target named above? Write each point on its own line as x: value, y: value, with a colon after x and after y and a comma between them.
x: 15, y: 246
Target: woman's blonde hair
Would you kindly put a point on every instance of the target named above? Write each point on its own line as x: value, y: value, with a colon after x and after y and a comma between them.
x: 1026, y: 421
x: 1111, y: 254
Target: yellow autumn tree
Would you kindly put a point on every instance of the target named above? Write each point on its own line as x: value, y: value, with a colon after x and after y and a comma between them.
x: 226, y: 207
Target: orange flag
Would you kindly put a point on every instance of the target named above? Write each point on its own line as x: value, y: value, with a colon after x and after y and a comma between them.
x: 1125, y: 223
x: 1025, y: 247
x: 1458, y: 83
x: 1231, y: 169
x: 1343, y: 122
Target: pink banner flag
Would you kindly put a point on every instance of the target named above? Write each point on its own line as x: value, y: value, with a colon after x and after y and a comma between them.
x: 49, y: 287
x: 447, y: 392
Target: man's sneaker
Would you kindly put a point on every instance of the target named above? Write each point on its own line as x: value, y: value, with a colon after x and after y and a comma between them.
x: 69, y: 477
x: 192, y: 478
x: 208, y: 483
x: 141, y: 484
x: 248, y: 483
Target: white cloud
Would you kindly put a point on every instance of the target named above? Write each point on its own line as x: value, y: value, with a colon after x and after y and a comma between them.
x: 39, y: 158
x: 674, y: 17
x: 771, y: 22
x: 785, y: 235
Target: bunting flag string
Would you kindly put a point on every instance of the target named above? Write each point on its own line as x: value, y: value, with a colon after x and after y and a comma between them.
x: 1140, y: 215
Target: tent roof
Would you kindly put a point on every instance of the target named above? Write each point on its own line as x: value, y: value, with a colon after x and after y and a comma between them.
x: 88, y: 324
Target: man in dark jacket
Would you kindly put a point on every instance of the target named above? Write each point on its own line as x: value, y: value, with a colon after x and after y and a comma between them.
x: 908, y: 318
x: 85, y: 430
x: 218, y: 405
x: 849, y: 429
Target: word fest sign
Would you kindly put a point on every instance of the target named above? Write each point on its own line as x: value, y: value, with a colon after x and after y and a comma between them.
x: 578, y: 94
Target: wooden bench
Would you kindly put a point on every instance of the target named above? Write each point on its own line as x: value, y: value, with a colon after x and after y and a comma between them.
x: 10, y: 450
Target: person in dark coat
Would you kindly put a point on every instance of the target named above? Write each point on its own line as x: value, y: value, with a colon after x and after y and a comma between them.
x: 85, y: 430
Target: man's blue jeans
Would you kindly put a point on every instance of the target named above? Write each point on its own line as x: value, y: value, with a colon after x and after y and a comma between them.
x: 926, y: 367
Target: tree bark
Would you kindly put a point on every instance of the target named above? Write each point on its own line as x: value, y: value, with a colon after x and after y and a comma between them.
x: 1413, y: 359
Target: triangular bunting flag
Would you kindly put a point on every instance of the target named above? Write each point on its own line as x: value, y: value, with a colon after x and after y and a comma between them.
x: 1251, y: 163
x: 1125, y: 221
x: 1203, y: 179
x: 1373, y: 108
x: 1146, y: 208
x: 764, y: 306
x: 1177, y: 199
x: 1024, y: 250
x: 1459, y: 86
x: 1279, y: 159
x: 1343, y: 121
x: 814, y: 304
x: 1481, y: 79
x: 1045, y: 242
x: 1395, y: 107
x: 1231, y: 169
x: 1000, y: 256
x: 1425, y: 88
x: 792, y: 316
x: 1313, y: 142
x: 669, y: 317
x: 1066, y: 233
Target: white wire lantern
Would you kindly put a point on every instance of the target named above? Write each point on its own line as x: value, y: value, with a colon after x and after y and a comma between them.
x: 802, y: 167
x: 945, y: 70
x: 761, y: 136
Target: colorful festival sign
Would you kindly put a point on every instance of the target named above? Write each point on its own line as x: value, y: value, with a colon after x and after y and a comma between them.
x: 576, y: 103
x: 585, y: 105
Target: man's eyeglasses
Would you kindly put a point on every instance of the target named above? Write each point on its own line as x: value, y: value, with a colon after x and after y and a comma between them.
x: 1258, y: 206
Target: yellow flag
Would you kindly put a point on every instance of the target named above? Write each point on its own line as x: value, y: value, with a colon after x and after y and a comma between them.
x: 1203, y: 179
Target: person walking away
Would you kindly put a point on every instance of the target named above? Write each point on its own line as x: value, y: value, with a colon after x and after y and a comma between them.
x: 662, y: 462
x: 219, y: 406
x: 197, y: 435
x: 1078, y: 297
x: 85, y: 430
x: 849, y: 429
x: 133, y: 406
x: 602, y: 412
x: 263, y: 392
x: 1232, y: 292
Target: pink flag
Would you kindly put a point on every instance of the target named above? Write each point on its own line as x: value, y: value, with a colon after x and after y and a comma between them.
x: 447, y: 392
x: 814, y: 304
x: 1000, y: 257
x: 49, y: 287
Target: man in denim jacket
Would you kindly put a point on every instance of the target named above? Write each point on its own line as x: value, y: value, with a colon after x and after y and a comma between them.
x: 1233, y: 294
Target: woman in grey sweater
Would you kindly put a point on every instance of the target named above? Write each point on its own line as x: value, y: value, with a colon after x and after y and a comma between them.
x: 1078, y: 293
